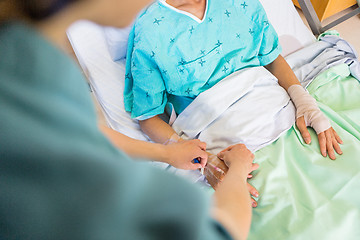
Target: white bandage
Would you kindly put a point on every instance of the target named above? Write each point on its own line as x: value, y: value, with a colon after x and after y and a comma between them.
x: 306, y: 106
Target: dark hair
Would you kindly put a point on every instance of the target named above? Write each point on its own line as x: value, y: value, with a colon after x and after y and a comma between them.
x: 42, y: 9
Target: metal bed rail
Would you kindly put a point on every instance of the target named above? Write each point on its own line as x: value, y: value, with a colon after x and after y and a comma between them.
x: 314, y: 22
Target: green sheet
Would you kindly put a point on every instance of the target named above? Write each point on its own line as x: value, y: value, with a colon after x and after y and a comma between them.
x: 303, y: 194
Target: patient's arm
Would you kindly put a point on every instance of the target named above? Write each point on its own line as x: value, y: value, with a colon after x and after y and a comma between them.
x: 179, y: 155
x: 328, y: 138
x: 158, y: 130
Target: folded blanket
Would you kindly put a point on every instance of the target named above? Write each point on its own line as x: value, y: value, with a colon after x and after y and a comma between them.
x: 248, y: 107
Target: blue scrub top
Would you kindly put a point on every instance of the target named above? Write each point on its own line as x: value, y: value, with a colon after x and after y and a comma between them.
x: 173, y: 56
x: 60, y: 178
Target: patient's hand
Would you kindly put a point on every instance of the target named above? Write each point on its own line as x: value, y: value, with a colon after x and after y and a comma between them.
x: 215, y: 170
x: 329, y: 140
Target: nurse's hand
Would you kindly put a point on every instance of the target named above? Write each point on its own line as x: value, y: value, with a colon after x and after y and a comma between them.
x: 216, y: 168
x: 329, y: 140
x: 182, y: 154
x: 242, y: 157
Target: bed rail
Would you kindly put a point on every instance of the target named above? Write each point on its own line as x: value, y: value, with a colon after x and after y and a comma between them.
x: 314, y: 22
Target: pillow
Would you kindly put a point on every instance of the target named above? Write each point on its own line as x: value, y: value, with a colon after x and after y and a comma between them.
x: 293, y: 33
x: 116, y: 41
x: 105, y: 76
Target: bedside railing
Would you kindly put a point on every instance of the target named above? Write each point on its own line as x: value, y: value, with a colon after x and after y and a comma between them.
x: 314, y: 22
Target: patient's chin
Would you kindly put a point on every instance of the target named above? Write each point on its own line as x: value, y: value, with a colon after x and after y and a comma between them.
x: 289, y: 44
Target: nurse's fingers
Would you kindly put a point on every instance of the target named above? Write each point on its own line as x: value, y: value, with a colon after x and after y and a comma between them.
x: 227, y: 149
x: 202, y: 158
x: 253, y: 203
x: 201, y: 144
x: 254, y: 166
x: 252, y: 190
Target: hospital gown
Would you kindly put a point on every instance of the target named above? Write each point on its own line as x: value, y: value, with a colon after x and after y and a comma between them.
x: 60, y: 178
x: 173, y: 56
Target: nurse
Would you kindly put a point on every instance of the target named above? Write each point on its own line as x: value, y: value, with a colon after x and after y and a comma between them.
x: 180, y: 48
x: 61, y: 178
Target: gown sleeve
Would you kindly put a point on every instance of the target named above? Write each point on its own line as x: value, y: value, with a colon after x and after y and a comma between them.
x: 269, y: 47
x: 145, y: 92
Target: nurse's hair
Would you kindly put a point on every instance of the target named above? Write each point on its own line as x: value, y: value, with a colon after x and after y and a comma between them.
x: 38, y: 10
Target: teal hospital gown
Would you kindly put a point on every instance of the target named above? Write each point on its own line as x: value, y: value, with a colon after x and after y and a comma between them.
x: 60, y: 178
x: 173, y: 56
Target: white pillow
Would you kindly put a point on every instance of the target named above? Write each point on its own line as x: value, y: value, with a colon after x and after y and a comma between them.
x: 116, y: 40
x: 106, y: 77
x: 293, y: 33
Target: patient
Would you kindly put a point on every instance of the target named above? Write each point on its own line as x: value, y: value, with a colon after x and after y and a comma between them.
x: 180, y: 48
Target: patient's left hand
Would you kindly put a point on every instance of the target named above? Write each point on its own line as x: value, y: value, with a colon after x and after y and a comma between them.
x: 328, y: 139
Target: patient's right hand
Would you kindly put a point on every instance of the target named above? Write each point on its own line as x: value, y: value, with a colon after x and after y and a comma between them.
x: 215, y: 170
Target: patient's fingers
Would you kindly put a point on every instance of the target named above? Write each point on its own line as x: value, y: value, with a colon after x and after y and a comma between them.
x: 252, y: 190
x: 322, y: 143
x: 329, y: 141
x: 329, y: 144
x: 338, y: 139
x: 300, y: 123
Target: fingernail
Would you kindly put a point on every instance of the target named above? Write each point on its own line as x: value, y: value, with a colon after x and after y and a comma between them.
x: 256, y: 194
x: 254, y: 204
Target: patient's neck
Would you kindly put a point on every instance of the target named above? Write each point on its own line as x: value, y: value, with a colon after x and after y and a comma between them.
x: 195, y: 7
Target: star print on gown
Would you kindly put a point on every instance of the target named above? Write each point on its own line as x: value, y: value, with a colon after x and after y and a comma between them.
x: 157, y: 21
x: 227, y: 13
x: 184, y: 58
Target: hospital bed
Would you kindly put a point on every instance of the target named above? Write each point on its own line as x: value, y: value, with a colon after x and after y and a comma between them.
x: 303, y: 195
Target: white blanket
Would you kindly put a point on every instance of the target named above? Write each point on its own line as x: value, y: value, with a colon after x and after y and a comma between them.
x: 247, y: 107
